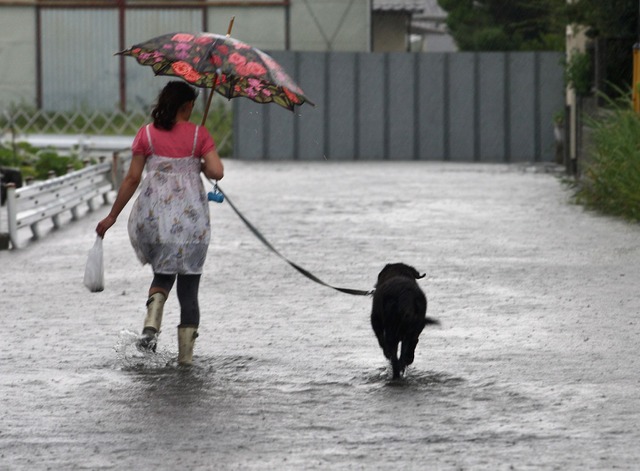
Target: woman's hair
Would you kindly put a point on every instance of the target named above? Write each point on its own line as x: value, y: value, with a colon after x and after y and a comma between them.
x: 171, y: 98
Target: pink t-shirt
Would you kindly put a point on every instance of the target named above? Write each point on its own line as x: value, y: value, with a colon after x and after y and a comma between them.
x: 175, y: 143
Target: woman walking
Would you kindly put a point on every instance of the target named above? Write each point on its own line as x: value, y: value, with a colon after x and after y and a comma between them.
x: 169, y: 223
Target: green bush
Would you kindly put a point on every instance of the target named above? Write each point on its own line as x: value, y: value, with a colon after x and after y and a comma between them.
x: 610, y: 181
x: 37, y: 163
x: 48, y: 160
x: 578, y: 73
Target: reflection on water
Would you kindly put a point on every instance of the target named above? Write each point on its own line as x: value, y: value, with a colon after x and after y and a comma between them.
x: 416, y: 379
x: 524, y: 374
x: 297, y: 412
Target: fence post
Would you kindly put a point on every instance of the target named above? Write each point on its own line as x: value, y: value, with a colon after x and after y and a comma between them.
x: 35, y: 231
x: 117, y: 170
x: 4, y: 237
x: 12, y: 212
x: 114, y: 170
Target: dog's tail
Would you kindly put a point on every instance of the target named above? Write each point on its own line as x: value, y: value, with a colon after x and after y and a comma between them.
x: 431, y: 321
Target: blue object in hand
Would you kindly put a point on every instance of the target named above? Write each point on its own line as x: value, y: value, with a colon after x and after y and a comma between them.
x: 215, y: 195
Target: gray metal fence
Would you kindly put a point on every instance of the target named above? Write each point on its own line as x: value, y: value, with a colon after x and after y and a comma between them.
x: 487, y: 107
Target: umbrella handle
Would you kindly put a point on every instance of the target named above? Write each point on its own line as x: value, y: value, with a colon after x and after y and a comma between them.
x: 233, y: 18
x: 206, y: 109
x: 215, y: 78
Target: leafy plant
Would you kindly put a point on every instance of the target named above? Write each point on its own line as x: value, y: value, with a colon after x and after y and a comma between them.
x: 578, y: 73
x: 48, y: 160
x: 37, y: 163
x: 498, y: 25
x: 610, y: 181
x: 558, y: 118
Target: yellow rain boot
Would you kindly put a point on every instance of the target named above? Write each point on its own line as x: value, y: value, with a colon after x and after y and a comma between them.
x: 187, y: 335
x: 152, y: 323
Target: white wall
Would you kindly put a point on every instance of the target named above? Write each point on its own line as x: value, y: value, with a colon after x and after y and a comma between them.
x: 262, y: 27
x: 330, y: 25
x: 17, y: 56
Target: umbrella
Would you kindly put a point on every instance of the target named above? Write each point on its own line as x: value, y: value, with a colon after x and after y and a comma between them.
x: 230, y: 67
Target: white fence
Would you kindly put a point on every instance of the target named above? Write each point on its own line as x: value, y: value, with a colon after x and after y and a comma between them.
x: 29, y: 206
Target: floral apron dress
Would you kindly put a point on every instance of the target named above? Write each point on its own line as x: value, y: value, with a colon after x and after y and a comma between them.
x: 169, y: 223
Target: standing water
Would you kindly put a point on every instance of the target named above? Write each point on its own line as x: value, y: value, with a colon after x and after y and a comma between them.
x: 533, y: 367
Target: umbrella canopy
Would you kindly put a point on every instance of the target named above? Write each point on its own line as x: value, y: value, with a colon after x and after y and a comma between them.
x: 231, y: 67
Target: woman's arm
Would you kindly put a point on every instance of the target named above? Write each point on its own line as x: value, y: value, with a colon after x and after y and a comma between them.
x: 126, y: 191
x: 212, y: 166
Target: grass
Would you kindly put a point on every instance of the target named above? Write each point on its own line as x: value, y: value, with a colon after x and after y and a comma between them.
x: 610, y: 182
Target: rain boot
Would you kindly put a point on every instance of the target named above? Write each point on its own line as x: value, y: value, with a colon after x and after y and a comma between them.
x: 187, y: 335
x: 149, y: 338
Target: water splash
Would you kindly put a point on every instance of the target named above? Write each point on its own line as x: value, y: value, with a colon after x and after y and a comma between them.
x: 412, y: 378
x: 128, y: 357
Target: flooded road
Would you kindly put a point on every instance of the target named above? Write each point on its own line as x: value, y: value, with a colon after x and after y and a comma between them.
x: 535, y: 365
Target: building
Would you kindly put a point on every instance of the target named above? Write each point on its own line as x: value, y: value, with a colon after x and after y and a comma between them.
x: 409, y: 25
x: 44, y: 44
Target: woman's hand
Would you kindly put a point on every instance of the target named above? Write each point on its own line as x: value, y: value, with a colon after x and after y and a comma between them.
x: 104, y: 225
x: 128, y: 187
x: 212, y: 166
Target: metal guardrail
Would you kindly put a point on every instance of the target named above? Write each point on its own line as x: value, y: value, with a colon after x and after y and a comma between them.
x: 30, y: 205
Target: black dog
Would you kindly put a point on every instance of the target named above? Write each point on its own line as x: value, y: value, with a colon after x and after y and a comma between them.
x: 399, y: 314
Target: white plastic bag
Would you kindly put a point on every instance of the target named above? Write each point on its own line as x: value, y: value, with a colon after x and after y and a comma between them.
x: 94, y: 270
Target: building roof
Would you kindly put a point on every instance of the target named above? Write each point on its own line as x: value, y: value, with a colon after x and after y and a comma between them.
x: 404, y: 6
x: 425, y: 9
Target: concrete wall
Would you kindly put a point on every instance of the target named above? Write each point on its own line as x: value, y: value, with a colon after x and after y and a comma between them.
x: 487, y: 107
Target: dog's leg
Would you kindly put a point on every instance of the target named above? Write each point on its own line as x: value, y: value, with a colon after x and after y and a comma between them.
x: 408, y: 351
x: 391, y: 352
x: 396, y: 366
x: 378, y: 328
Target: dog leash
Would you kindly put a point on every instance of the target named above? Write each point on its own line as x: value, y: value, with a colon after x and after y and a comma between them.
x: 261, y: 238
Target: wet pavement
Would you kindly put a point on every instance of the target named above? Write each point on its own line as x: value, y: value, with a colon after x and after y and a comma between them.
x: 535, y: 365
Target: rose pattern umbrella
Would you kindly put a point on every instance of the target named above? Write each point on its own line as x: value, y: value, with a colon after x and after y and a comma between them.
x: 231, y: 67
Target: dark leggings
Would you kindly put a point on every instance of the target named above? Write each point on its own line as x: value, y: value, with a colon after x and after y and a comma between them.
x: 187, y: 295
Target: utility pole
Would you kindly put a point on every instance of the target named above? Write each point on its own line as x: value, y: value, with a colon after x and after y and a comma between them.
x: 635, y: 91
x: 122, y: 76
